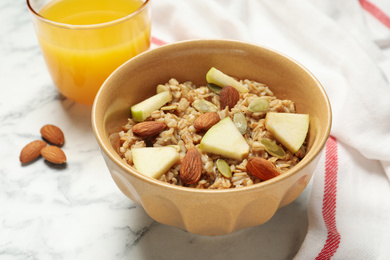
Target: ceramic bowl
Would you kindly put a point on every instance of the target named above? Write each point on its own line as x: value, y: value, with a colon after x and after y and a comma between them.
x: 209, y: 212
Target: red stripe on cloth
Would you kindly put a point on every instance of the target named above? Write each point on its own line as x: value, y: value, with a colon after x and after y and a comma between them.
x: 376, y: 12
x: 157, y: 41
x: 329, y: 200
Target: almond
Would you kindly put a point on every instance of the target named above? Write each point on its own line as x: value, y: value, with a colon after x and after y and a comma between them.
x: 148, y: 128
x: 261, y: 168
x: 53, y: 134
x: 229, y: 97
x: 31, y: 151
x: 205, y: 121
x: 53, y: 154
x: 191, y: 167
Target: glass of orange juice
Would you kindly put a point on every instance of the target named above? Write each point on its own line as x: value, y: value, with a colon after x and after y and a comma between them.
x: 84, y: 41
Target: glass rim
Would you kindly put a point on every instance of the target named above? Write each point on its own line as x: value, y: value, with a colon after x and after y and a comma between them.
x: 86, y: 26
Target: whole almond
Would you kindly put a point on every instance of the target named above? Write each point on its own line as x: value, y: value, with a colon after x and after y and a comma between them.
x: 31, y: 151
x: 53, y: 134
x: 53, y: 154
x: 261, y: 168
x: 205, y: 121
x: 228, y: 97
x: 148, y: 128
x: 191, y: 167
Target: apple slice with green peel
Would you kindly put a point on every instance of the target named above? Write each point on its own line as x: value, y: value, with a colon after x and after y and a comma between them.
x: 142, y: 110
x: 219, y: 78
x: 154, y: 161
x: 225, y: 139
x: 288, y: 128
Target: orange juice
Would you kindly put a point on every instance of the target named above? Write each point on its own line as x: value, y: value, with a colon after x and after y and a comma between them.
x: 84, y: 41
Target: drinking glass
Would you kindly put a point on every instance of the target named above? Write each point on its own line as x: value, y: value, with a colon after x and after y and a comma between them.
x: 84, y: 41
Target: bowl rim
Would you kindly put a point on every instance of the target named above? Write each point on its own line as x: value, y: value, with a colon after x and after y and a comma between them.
x: 114, y: 157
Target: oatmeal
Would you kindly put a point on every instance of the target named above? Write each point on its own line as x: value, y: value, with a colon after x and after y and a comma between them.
x: 248, y: 113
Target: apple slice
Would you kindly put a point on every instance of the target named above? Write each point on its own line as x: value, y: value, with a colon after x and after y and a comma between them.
x: 225, y: 139
x: 219, y: 78
x: 288, y: 128
x: 142, y: 110
x: 154, y: 161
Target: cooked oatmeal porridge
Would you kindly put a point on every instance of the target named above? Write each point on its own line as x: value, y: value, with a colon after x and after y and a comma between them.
x: 179, y: 132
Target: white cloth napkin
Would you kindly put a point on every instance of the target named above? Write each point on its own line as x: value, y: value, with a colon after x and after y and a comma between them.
x: 346, y: 45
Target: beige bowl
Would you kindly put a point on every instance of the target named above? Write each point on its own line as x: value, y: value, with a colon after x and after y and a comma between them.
x: 209, y: 212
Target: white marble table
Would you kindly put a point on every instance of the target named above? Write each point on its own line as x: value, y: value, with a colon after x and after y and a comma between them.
x: 76, y: 211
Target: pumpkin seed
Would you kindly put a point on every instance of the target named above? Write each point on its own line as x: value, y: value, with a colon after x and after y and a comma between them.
x: 239, y: 120
x: 214, y: 88
x: 224, y: 168
x: 204, y: 106
x: 273, y: 149
x: 258, y: 105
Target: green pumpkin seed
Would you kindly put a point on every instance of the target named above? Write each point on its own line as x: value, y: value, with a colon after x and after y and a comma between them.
x: 204, y: 106
x: 239, y: 120
x: 224, y: 168
x: 273, y: 149
x: 258, y: 105
x: 214, y: 88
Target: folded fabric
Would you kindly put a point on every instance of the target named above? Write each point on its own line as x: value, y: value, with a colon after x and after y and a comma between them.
x: 346, y: 45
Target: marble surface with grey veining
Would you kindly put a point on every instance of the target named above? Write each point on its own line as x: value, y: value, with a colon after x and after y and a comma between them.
x: 76, y: 211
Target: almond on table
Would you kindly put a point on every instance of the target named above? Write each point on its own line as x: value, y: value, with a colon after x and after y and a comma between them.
x: 53, y: 154
x: 32, y: 151
x: 53, y: 134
